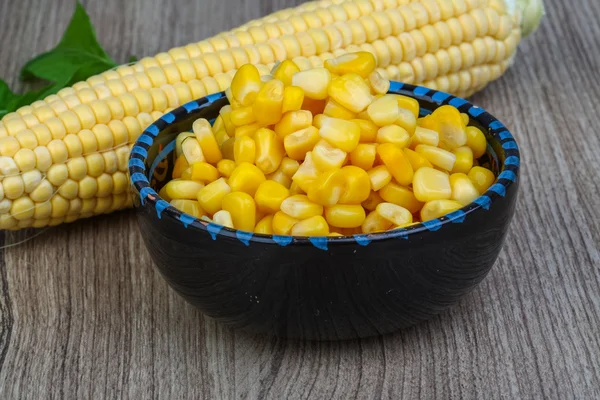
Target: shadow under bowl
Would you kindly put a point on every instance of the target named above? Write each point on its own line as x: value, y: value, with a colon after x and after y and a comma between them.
x: 324, y: 288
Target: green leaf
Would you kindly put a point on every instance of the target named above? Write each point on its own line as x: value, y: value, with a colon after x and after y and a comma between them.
x: 61, y: 64
x: 77, y: 56
x: 133, y: 59
x: 80, y: 34
x: 77, y: 47
x: 6, y: 96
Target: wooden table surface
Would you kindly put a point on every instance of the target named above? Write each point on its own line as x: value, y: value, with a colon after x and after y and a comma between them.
x: 83, y: 314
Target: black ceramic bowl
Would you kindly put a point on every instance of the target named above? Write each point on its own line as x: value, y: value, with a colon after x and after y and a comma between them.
x: 324, y: 288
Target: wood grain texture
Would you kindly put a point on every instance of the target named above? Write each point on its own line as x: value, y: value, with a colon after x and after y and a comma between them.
x: 83, y: 314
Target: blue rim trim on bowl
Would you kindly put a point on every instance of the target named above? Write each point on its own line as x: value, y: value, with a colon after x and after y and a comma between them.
x: 139, y: 175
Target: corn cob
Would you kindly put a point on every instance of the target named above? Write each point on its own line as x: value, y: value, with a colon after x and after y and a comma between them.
x: 65, y: 157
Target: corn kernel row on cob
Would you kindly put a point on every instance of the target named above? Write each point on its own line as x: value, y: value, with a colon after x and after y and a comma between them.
x: 393, y: 35
x: 63, y: 154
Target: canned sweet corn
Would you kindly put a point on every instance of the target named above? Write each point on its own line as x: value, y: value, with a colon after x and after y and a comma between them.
x: 322, y: 152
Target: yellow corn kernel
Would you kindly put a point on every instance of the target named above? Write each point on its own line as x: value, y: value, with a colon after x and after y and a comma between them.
x: 289, y: 166
x: 314, y: 82
x: 14, y: 187
x: 383, y: 111
x: 314, y: 106
x: 476, y: 141
x: 25, y: 160
x: 269, y: 150
x: 246, y: 130
x: 364, y: 156
x: 242, y: 116
x: 225, y: 114
x: 285, y: 71
x: 299, y: 206
x: 191, y: 207
x: 221, y: 136
x: 57, y: 174
x: 318, y: 120
x: 451, y: 127
x: 218, y: 124
x: 429, y: 122
x: 482, y: 178
x: 270, y: 195
x: 340, y: 133
x: 183, y: 189
x: 400, y: 195
x: 328, y: 188
x: 397, y: 215
x: 406, y: 120
x: 295, y: 189
x: 463, y: 190
x: 181, y: 165
x: 362, y: 63
x: 246, y: 84
x: 345, y: 215
x: 298, y: 143
x: 335, y: 110
x: 31, y: 180
x: 378, y: 83
x: 226, y: 167
x: 269, y: 103
x: 379, y: 177
x: 371, y: 203
x: 28, y: 140
x: 368, y: 130
x: 293, y: 121
x: 192, y: 151
x: 210, y: 197
x: 265, y: 225
x: 203, y: 172
x: 375, y: 223
x: 431, y: 184
x: 306, y: 174
x: 281, y: 178
x: 227, y: 149
x: 223, y: 218
x: 464, y: 159
x: 351, y: 92
x: 247, y: 178
x: 327, y: 157
x: 408, y: 103
x: 206, y: 138
x: 8, y: 167
x: 22, y: 208
x: 437, y: 208
x: 58, y: 151
x: 244, y: 150
x: 293, y: 97
x: 9, y: 146
x: 438, y: 157
x: 425, y: 136
x: 396, y: 162
x: 95, y: 164
x: 357, y: 185
x: 283, y: 223
x: 313, y: 226
x: 465, y: 118
x: 393, y: 134
x: 242, y: 208
x: 416, y: 160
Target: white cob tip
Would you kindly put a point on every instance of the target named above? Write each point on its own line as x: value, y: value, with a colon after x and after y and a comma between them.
x: 530, y: 14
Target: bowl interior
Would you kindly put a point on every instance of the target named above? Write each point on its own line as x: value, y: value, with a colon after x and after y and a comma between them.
x: 152, y: 158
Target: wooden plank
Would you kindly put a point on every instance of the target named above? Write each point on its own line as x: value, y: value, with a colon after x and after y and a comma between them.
x: 83, y: 314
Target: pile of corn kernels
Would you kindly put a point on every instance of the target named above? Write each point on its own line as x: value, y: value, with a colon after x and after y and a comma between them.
x: 325, y: 152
